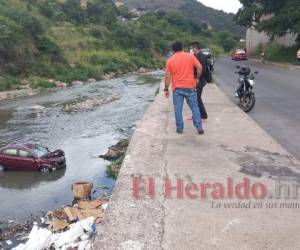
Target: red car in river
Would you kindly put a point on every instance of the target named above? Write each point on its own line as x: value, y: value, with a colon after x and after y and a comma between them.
x: 31, y: 157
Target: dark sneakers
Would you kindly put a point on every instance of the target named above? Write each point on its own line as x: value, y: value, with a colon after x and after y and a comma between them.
x: 200, y: 131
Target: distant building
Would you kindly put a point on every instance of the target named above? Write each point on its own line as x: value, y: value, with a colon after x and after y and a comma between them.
x: 255, y: 38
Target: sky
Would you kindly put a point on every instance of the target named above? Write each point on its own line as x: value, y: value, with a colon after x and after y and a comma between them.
x: 225, y: 5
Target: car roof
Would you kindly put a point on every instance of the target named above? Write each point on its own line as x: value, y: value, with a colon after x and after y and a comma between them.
x: 26, y: 146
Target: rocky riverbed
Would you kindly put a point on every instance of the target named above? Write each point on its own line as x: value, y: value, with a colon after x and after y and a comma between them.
x: 83, y: 135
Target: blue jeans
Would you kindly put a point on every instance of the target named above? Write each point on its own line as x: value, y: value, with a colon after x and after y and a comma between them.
x: 190, y: 95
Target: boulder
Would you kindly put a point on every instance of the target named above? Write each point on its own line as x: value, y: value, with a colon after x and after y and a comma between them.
x: 60, y: 84
x: 142, y: 70
x: 92, y: 80
x: 76, y: 83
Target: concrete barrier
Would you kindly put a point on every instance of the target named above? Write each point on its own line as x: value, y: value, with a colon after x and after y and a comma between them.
x: 233, y: 149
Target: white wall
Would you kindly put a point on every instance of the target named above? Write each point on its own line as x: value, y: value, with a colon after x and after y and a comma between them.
x: 254, y: 38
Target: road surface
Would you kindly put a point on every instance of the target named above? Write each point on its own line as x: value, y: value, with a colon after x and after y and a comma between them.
x: 278, y: 99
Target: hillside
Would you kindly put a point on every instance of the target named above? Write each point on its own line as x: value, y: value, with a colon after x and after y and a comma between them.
x: 192, y: 9
x: 69, y: 40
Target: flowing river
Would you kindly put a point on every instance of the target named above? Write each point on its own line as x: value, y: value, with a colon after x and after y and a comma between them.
x: 83, y: 135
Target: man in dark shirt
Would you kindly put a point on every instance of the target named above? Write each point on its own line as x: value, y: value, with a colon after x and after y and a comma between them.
x: 196, y: 48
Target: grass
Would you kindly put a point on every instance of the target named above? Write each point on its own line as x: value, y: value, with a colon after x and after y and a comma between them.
x: 277, y: 53
x: 8, y: 82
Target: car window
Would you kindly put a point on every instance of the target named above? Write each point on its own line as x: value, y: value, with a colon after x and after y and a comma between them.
x: 23, y: 153
x: 40, y: 151
x: 11, y: 152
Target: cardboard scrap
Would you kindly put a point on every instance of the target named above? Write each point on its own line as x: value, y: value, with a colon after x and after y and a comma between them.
x: 75, y: 213
x: 58, y: 225
x: 71, y: 212
x: 91, y: 204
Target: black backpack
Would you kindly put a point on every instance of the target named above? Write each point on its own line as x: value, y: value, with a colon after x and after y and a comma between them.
x: 205, y: 66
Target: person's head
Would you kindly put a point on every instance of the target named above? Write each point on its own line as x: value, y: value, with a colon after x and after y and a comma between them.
x: 177, y: 47
x: 195, y: 47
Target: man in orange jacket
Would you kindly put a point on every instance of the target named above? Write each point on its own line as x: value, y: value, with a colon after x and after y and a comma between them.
x: 180, y: 71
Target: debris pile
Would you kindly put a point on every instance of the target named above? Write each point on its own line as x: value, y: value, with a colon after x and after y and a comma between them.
x: 116, y: 151
x: 71, y: 227
x: 89, y: 104
x: 115, y: 155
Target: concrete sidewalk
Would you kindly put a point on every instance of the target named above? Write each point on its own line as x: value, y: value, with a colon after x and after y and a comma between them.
x: 233, y: 146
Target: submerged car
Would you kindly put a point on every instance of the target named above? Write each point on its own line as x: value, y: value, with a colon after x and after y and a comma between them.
x: 239, y: 55
x: 31, y: 157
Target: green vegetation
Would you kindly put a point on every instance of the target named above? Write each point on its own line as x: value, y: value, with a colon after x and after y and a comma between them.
x: 113, y: 169
x: 282, y: 16
x: 277, y: 53
x: 194, y: 11
x: 66, y: 40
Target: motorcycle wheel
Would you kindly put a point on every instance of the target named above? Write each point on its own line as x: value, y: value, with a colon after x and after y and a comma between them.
x: 247, y: 102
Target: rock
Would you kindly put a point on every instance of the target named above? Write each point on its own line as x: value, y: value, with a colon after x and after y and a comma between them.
x: 111, y: 155
x: 142, y: 70
x: 25, y: 87
x: 89, y: 104
x: 36, y: 107
x: 107, y: 77
x: 24, y: 82
x: 116, y: 151
x: 92, y: 80
x: 75, y: 83
x: 60, y: 84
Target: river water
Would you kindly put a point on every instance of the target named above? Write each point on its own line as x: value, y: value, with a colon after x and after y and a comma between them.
x: 82, y: 135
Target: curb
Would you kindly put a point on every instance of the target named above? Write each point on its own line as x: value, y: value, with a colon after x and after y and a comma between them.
x: 282, y: 65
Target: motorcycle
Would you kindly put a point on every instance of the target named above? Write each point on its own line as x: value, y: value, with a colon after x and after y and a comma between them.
x: 245, y: 91
x: 210, y: 69
x: 211, y: 64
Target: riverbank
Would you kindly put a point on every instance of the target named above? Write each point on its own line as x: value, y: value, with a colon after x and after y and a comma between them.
x: 26, y: 90
x: 233, y: 150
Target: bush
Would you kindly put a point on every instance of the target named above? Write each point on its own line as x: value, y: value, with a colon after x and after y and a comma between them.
x: 8, y: 82
x: 112, y: 61
x: 40, y: 83
x: 276, y: 52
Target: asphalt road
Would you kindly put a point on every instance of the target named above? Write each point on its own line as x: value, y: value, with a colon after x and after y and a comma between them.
x: 278, y: 99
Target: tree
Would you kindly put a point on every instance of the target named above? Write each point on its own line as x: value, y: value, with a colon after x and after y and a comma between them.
x: 227, y: 40
x: 275, y: 17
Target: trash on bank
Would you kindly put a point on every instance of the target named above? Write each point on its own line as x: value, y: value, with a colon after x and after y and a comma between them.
x: 58, y: 225
x: 69, y: 227
x: 76, y: 237
x: 82, y: 190
x: 116, y: 151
